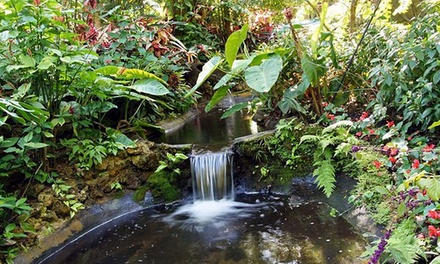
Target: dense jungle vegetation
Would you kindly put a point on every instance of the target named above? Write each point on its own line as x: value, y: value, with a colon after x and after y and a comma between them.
x: 82, y: 80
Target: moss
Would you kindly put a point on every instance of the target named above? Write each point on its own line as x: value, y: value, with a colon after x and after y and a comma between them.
x: 139, y: 194
x: 162, y: 186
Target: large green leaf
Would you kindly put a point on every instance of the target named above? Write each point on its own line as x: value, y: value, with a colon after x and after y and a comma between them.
x: 432, y: 186
x: 261, y: 78
x: 216, y: 98
x: 233, y: 43
x: 207, y: 70
x: 313, y: 70
x: 150, y: 86
x: 315, y: 37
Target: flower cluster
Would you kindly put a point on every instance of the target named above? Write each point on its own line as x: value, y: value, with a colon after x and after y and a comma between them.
x: 380, y: 248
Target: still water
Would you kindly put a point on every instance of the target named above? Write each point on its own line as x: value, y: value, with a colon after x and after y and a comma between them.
x: 253, y: 228
x: 208, y: 128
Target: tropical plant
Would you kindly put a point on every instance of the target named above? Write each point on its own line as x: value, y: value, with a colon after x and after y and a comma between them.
x: 260, y: 72
x: 407, y: 73
x: 335, y: 142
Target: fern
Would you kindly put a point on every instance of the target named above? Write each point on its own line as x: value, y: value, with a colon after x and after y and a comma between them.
x: 325, y: 176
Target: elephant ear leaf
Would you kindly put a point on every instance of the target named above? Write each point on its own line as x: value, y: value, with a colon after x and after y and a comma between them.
x: 207, y: 70
x: 150, y: 86
x: 233, y: 43
x: 261, y: 78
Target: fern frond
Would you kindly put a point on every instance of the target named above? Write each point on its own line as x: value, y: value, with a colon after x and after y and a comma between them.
x: 336, y: 125
x: 312, y: 138
x: 325, y: 176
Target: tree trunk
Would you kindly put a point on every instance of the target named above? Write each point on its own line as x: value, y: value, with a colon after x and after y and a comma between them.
x: 352, y: 23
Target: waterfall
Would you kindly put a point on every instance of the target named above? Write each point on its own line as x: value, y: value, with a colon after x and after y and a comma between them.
x: 212, y: 176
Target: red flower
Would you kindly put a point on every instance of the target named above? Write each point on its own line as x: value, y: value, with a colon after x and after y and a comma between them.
x: 428, y: 148
x: 364, y: 115
x: 371, y: 131
x: 358, y: 134
x: 325, y: 104
x: 392, y: 159
x: 330, y: 116
x: 390, y: 124
x: 433, y: 214
x: 433, y: 231
x: 394, y: 151
x: 377, y: 164
x: 415, y: 164
x: 37, y: 2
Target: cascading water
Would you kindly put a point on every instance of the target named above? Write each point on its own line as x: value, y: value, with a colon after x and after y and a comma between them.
x: 212, y: 176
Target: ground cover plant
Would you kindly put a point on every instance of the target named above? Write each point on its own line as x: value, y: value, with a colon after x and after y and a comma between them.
x: 80, y: 82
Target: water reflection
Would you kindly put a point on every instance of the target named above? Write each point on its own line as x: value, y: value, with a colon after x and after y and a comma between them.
x: 208, y: 128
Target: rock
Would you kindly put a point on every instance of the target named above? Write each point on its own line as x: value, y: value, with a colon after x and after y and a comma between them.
x: 49, y: 216
x: 46, y: 198
x: 61, y: 209
x: 38, y: 208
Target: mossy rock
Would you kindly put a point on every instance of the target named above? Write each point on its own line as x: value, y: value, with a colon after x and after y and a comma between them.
x: 162, y: 186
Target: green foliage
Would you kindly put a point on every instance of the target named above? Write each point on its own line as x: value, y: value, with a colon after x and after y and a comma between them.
x: 334, y: 143
x: 406, y: 69
x: 163, y: 182
x: 41, y: 52
x: 88, y: 152
x: 402, y: 245
x: 69, y: 199
x: 13, y: 215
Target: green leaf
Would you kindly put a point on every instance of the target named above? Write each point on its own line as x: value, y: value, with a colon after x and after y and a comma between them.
x: 382, y: 190
x: 217, y: 97
x: 36, y: 145
x: 237, y: 67
x: 27, y: 61
x: 432, y: 187
x: 261, y: 78
x: 233, y: 44
x: 45, y: 63
x: 315, y: 37
x: 207, y: 70
x: 435, y: 124
x: 233, y: 109
x: 401, y: 209
x: 325, y: 176
x: 436, y: 77
x: 150, y: 86
x: 436, y: 260
x: 312, y: 69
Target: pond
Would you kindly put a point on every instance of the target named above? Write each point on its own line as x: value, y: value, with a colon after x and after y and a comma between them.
x: 253, y: 228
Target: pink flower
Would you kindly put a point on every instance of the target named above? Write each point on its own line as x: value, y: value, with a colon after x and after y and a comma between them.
x: 392, y: 159
x: 428, y: 148
x: 415, y: 164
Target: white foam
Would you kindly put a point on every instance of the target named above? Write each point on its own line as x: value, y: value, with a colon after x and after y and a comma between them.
x: 208, y: 212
